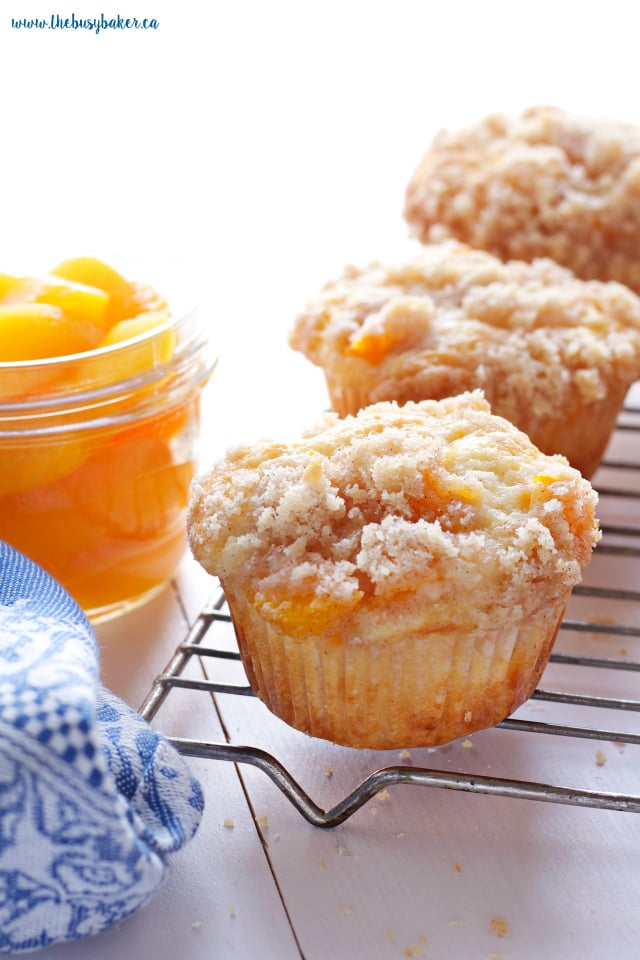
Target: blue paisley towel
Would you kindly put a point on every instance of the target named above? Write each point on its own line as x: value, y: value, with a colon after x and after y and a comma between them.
x: 92, y: 800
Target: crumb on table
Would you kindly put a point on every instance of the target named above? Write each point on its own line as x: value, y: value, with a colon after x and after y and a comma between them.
x: 499, y: 926
x: 415, y: 950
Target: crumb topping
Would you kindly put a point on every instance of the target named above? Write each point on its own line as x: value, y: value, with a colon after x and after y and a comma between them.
x: 453, y: 319
x: 440, y: 508
x: 546, y: 183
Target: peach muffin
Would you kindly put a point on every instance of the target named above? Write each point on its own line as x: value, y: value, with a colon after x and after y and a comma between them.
x: 553, y: 354
x: 544, y: 184
x: 395, y: 578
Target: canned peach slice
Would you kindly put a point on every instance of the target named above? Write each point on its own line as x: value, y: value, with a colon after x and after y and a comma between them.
x: 147, y: 353
x: 76, y: 299
x: 95, y: 273
x: 142, y: 323
x: 24, y: 468
x: 35, y: 331
x: 126, y: 298
x: 131, y: 487
x: 143, y: 298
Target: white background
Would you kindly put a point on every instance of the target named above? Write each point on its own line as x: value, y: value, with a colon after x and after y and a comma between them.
x: 267, y: 144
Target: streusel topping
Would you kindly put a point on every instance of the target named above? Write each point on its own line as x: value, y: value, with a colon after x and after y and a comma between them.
x: 452, y: 319
x: 439, y: 509
x: 546, y: 183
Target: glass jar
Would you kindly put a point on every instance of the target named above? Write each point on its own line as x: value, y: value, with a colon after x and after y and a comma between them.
x: 97, y: 452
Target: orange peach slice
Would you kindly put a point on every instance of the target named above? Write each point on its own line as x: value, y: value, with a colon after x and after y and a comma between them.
x: 26, y: 466
x: 94, y: 273
x: 88, y: 304
x: 36, y: 331
x: 146, y: 353
x: 126, y: 298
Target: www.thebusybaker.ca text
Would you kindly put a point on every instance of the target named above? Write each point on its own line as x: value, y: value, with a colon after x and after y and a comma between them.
x: 96, y: 24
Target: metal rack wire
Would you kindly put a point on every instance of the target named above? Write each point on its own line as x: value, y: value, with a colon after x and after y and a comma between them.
x: 621, y: 540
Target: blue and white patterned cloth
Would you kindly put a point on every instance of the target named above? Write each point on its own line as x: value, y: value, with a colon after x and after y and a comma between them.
x: 92, y: 800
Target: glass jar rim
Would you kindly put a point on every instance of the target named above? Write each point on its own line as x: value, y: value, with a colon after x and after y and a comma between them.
x: 106, y: 410
x: 175, y: 279
x: 119, y: 382
x: 120, y: 347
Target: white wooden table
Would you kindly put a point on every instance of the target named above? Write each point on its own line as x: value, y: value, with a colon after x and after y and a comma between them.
x: 270, y: 144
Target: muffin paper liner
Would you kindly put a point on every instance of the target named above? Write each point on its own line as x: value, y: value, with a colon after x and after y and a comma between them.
x: 418, y: 689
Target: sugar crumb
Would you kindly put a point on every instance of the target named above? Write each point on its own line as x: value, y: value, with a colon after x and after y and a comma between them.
x: 263, y: 820
x: 232, y: 912
x: 401, y: 835
x: 196, y: 925
x: 405, y: 755
x: 228, y: 823
x: 456, y: 922
x: 601, y: 619
x: 383, y: 795
x: 329, y: 771
x: 415, y: 950
x: 499, y: 926
x: 345, y: 910
x: 601, y: 758
x: 467, y: 743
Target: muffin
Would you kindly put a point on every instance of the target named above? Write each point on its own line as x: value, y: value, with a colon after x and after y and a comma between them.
x: 395, y: 578
x: 545, y: 184
x: 553, y: 354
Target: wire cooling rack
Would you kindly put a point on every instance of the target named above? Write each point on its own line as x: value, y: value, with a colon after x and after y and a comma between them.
x: 618, y: 484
